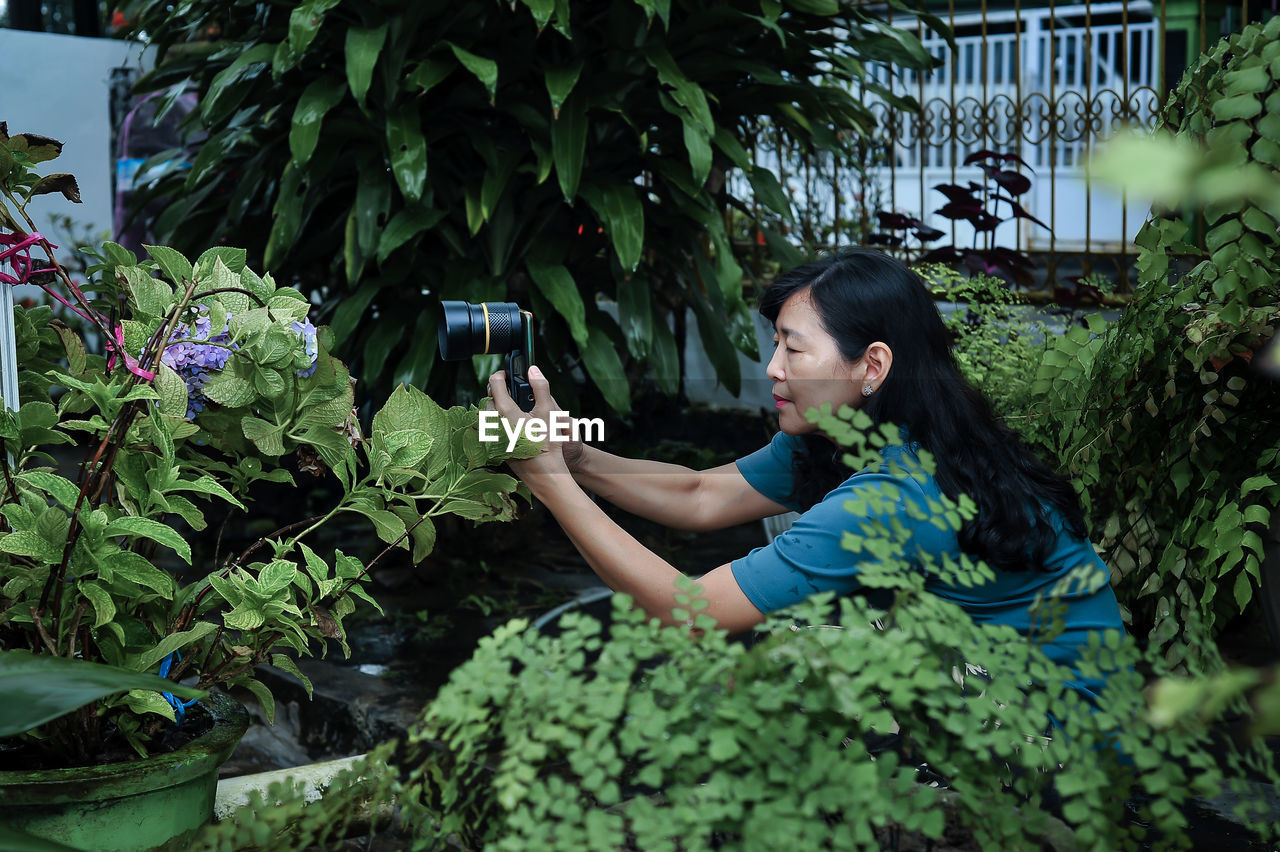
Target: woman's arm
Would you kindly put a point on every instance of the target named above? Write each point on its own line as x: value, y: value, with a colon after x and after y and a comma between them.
x: 670, y: 494
x: 625, y: 565
x: 622, y: 563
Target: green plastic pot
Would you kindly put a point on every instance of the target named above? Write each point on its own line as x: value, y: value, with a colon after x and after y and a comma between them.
x: 157, y: 803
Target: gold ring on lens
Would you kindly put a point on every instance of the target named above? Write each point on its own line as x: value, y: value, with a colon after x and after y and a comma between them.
x: 484, y: 306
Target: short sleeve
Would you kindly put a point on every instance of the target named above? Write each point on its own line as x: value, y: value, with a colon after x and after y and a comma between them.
x: 769, y: 469
x: 809, y: 558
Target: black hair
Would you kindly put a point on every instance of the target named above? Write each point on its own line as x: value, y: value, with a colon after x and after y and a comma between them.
x: 862, y: 296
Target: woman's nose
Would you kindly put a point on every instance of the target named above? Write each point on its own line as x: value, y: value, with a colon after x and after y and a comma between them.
x: 774, y: 369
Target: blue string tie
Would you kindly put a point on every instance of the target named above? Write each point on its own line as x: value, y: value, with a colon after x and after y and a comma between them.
x: 179, y: 707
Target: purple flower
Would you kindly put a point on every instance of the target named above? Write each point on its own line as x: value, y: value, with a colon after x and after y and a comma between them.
x: 307, y: 332
x: 194, y: 350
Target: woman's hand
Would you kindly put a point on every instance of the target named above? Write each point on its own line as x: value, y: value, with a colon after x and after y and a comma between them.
x: 557, y: 457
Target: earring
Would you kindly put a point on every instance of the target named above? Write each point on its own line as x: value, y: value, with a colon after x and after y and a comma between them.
x: 867, y: 390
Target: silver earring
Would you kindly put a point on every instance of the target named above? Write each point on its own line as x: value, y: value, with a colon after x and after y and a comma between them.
x: 867, y: 390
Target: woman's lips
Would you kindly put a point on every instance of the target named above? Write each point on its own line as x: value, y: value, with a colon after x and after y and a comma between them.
x: 779, y: 401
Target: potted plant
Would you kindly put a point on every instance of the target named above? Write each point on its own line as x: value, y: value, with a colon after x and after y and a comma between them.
x: 206, y: 376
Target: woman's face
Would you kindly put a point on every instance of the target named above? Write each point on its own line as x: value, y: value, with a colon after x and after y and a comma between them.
x: 807, y: 368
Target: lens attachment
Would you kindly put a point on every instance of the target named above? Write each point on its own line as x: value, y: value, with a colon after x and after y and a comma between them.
x: 467, y: 329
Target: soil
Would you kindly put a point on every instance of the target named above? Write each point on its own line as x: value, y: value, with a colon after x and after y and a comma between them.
x: 17, y: 756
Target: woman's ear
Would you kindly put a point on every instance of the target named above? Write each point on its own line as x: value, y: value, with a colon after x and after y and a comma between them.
x: 877, y: 358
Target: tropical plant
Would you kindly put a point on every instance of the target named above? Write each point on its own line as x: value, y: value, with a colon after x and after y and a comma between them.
x: 548, y: 152
x: 650, y: 737
x: 979, y: 205
x: 211, y: 376
x: 1165, y: 423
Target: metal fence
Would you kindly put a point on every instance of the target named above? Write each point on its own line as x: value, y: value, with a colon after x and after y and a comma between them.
x: 1047, y: 82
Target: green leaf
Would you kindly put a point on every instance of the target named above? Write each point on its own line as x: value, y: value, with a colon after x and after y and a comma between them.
x: 556, y: 283
x: 635, y: 316
x: 619, y: 208
x: 229, y: 390
x: 169, y: 644
x: 39, y: 687
x: 320, y: 96
x: 305, y: 21
x: 685, y: 92
x: 663, y: 355
x: 769, y: 191
x: 1237, y: 107
x: 699, y: 147
x: 430, y: 72
x: 172, y: 391
x: 171, y: 262
x: 362, y: 49
x: 103, y: 606
x: 815, y: 7
x: 267, y: 437
x: 404, y: 226
x: 602, y: 362
x: 569, y: 143
x: 132, y: 526
x: 408, y: 151
x: 485, y: 70
x: 560, y: 82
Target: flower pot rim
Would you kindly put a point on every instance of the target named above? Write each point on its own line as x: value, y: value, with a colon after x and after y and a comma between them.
x: 110, y: 780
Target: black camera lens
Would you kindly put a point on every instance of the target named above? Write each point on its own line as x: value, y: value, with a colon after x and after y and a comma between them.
x: 468, y: 329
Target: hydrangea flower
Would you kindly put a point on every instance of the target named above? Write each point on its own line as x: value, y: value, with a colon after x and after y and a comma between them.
x: 307, y: 333
x: 194, y: 351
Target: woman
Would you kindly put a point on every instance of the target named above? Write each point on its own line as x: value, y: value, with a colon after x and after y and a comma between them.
x: 858, y: 329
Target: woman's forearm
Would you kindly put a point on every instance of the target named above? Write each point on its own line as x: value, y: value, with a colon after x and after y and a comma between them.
x: 667, y: 494
x: 621, y: 562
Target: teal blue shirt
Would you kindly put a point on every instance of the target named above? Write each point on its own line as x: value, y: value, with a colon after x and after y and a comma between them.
x: 809, y: 558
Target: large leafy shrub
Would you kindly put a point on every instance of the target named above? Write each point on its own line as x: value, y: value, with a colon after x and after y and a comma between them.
x: 1171, y: 433
x: 658, y: 738
x: 392, y: 153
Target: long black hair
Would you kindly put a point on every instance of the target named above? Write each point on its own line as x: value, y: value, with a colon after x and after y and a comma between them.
x: 862, y: 296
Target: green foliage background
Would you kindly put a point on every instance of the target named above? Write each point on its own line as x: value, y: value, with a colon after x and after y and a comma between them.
x: 1168, y: 430
x: 391, y: 153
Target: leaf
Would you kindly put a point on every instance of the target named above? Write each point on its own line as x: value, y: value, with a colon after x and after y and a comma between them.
x: 569, y: 143
x: 362, y: 48
x: 556, y: 283
x: 485, y: 70
x: 230, y: 390
x: 663, y: 355
x: 430, y: 72
x: 404, y: 226
x: 620, y: 210
x: 560, y: 82
x: 699, y: 147
x: 103, y: 606
x: 408, y: 151
x: 172, y: 391
x: 267, y: 437
x: 130, y: 525
x: 635, y: 316
x: 767, y: 189
x: 39, y: 687
x: 169, y: 644
x: 815, y: 7
x: 602, y: 362
x: 320, y: 96
x: 63, y: 183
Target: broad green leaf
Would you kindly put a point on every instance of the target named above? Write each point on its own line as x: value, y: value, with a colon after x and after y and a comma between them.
x: 619, y: 208
x: 267, y: 437
x: 404, y: 226
x: 699, y: 147
x: 229, y: 390
x: 430, y: 72
x: 145, y: 527
x: 321, y: 95
x: 172, y: 391
x: 663, y: 355
x: 286, y: 214
x: 305, y: 21
x: 560, y: 82
x: 65, y: 491
x: 171, y: 262
x: 485, y: 70
x: 40, y: 687
x: 556, y: 283
x: 362, y: 48
x: 408, y: 151
x: 542, y: 11
x: 685, y: 92
x: 815, y: 7
x: 29, y: 543
x: 602, y: 362
x: 569, y: 143
x: 104, y: 607
x: 139, y: 702
x: 769, y: 191
x: 635, y: 316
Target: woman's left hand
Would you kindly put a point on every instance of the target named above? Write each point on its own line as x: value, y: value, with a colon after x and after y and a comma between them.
x: 551, y: 459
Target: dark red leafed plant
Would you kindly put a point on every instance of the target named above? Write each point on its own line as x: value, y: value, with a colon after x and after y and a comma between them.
x: 979, y: 204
